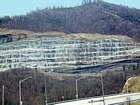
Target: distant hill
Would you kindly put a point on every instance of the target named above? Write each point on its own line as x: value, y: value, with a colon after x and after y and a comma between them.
x: 93, y: 16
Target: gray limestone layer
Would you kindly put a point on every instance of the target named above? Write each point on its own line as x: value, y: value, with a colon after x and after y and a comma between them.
x: 56, y: 51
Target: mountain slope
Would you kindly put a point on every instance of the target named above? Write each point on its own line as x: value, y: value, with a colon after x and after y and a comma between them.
x: 91, y: 17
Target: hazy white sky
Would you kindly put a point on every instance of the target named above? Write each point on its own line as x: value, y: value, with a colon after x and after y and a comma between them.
x: 17, y: 7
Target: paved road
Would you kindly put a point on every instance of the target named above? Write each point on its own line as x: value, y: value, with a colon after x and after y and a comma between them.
x: 108, y: 100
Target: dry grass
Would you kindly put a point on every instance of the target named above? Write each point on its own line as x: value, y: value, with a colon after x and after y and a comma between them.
x: 14, y: 32
x: 133, y: 85
x: 98, y: 36
x: 136, y: 103
x: 61, y: 34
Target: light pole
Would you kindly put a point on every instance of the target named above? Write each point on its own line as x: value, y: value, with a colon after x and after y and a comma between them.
x: 3, y: 95
x: 127, y: 81
x: 46, y: 91
x: 77, y: 87
x: 20, y: 88
x: 102, y: 89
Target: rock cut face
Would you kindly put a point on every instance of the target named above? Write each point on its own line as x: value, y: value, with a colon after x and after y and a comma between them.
x: 57, y: 51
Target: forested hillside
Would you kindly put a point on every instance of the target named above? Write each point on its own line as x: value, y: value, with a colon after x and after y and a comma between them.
x: 93, y: 16
x: 58, y: 85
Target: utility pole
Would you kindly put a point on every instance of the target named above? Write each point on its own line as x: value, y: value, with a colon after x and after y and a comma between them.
x: 3, y: 95
x: 102, y: 89
x: 46, y: 91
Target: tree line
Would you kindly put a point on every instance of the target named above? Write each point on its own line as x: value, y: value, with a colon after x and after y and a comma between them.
x: 59, y: 87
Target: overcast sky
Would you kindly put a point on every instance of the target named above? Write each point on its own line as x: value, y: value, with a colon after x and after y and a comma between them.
x: 21, y: 7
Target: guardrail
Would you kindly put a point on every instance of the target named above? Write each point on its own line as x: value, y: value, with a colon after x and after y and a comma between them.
x: 74, y: 100
x: 122, y: 103
x: 93, y: 101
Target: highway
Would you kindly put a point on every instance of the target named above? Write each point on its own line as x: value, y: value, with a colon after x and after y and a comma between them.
x: 109, y: 100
